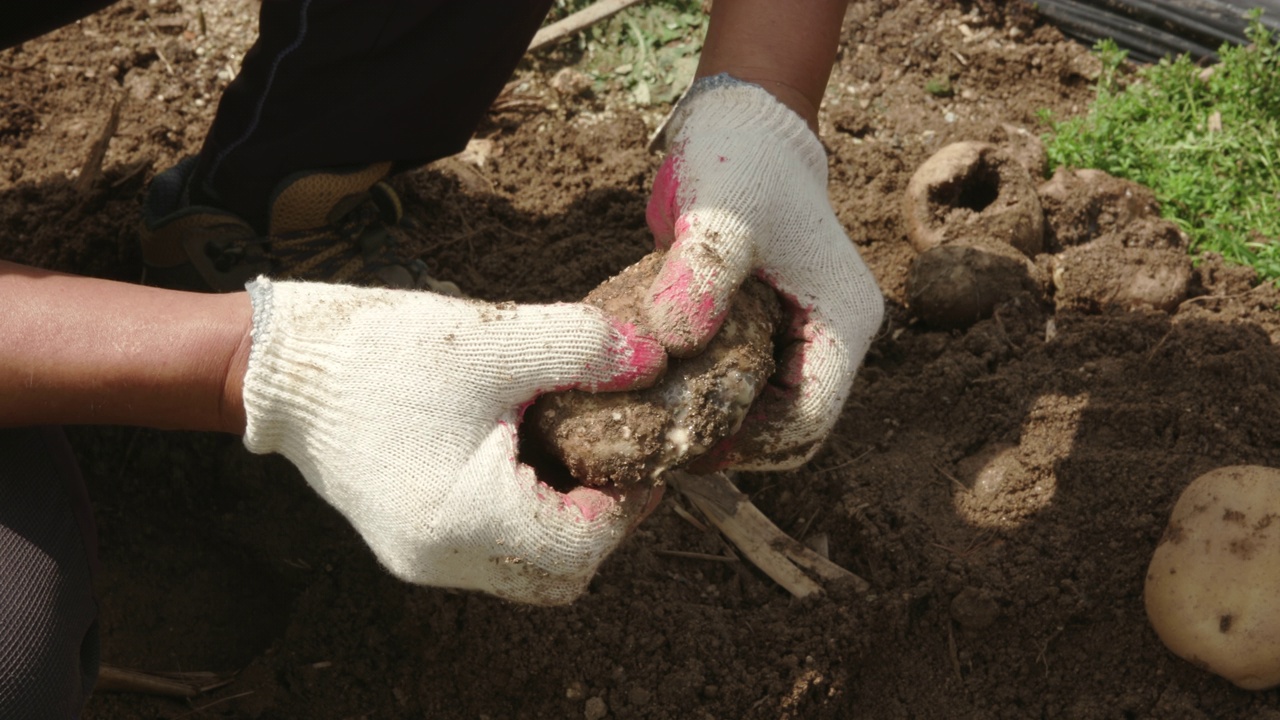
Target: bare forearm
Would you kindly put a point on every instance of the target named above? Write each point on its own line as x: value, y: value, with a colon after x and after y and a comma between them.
x: 785, y: 46
x: 80, y: 350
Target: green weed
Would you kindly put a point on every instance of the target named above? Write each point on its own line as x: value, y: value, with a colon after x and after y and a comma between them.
x: 649, y: 50
x: 939, y: 86
x: 1206, y: 142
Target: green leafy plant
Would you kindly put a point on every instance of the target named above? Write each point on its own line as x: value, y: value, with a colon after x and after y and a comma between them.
x: 649, y: 50
x: 1206, y: 141
x: 939, y: 86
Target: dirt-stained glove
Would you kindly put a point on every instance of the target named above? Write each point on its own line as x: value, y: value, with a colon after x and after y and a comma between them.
x: 743, y: 190
x: 401, y: 409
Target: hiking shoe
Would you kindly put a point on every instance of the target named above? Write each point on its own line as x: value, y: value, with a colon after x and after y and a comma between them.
x: 325, y: 226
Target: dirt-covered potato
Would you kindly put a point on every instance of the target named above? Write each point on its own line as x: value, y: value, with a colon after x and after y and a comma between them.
x: 1213, y: 587
x: 633, y: 437
x: 955, y: 286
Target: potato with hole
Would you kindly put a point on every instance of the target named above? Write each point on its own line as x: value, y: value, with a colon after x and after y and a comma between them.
x: 1213, y: 587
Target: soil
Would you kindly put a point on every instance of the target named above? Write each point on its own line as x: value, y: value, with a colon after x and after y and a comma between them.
x: 636, y: 437
x: 1001, y: 486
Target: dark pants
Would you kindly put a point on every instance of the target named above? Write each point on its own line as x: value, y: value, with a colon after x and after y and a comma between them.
x: 329, y: 84
x: 341, y: 83
x: 48, y: 614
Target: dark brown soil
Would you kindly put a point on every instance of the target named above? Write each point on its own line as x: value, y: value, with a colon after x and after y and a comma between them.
x: 1002, y: 487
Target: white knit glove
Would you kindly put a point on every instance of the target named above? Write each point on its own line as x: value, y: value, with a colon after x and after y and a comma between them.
x: 400, y: 408
x: 743, y: 191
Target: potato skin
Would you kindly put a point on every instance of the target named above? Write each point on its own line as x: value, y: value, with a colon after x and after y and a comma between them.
x: 954, y: 286
x: 1213, y: 587
x: 627, y: 438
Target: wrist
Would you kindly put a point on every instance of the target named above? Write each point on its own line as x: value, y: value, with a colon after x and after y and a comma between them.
x: 291, y: 361
x: 238, y: 339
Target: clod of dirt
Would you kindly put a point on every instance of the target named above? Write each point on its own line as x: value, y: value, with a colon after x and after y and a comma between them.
x: 1083, y: 205
x: 625, y: 438
x: 954, y: 286
x: 1215, y: 276
x: 1102, y: 275
x: 973, y: 193
x: 1213, y: 587
x: 1025, y: 147
x: 974, y: 609
x: 571, y: 82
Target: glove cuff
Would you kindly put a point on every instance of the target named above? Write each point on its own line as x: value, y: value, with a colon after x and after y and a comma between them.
x: 726, y: 104
x: 281, y: 396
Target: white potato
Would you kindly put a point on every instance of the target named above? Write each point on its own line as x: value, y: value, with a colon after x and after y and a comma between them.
x: 1213, y: 588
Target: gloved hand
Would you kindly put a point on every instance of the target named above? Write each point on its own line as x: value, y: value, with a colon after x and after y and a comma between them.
x: 743, y: 190
x: 401, y: 409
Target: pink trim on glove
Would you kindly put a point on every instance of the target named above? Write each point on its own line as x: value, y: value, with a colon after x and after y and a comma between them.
x: 676, y: 303
x: 663, y: 211
x: 643, y: 358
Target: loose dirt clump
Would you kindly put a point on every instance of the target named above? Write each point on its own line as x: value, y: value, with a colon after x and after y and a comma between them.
x: 1115, y: 249
x: 632, y: 437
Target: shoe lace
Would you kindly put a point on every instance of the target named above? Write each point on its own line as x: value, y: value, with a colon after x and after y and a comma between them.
x: 351, y: 248
x: 228, y: 253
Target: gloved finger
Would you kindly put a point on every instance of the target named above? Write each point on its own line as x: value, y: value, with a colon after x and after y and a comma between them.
x: 687, y: 302
x: 536, y: 349
x: 817, y: 356
x: 834, y: 309
x: 663, y: 210
x: 572, y: 533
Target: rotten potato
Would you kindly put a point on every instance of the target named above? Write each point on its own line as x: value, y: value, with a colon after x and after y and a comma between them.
x: 633, y: 437
x: 1213, y: 587
x: 973, y: 190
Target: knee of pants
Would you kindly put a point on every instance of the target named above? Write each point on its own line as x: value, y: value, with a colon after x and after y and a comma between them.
x: 47, y: 670
x: 48, y: 614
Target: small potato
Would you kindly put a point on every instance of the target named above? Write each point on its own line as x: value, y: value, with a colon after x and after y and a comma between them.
x: 954, y: 286
x: 1099, y: 275
x: 1213, y: 587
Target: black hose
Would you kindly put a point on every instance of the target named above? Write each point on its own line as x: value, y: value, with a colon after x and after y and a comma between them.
x: 1144, y: 42
x: 1151, y: 29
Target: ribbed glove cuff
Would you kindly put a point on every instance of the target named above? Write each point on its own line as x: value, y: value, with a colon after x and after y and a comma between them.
x: 723, y: 103
x: 280, y: 393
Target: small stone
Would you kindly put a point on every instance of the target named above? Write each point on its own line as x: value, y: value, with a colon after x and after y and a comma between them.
x: 571, y: 82
x: 638, y: 696
x: 596, y: 709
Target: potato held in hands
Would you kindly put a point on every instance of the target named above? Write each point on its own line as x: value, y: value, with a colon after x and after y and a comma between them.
x: 633, y: 437
x: 1213, y: 587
